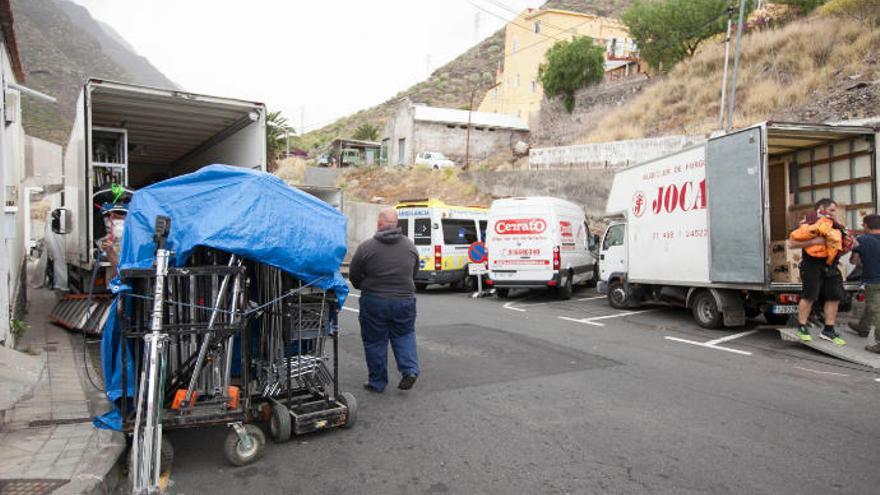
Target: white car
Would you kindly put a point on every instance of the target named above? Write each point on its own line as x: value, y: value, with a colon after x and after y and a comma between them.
x: 434, y: 160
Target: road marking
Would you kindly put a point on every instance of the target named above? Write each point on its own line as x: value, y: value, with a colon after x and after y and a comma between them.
x: 732, y: 337
x: 346, y: 308
x: 821, y: 372
x: 591, y: 298
x: 509, y: 305
x: 708, y: 345
x: 592, y: 321
x: 877, y: 379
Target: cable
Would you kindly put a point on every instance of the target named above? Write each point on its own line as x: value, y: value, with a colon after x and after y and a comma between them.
x: 88, y: 318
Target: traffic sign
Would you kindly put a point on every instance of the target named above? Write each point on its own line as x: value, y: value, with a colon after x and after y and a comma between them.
x: 477, y: 269
x: 477, y: 252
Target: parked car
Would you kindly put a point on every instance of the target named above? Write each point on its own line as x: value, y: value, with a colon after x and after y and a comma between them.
x: 539, y: 242
x: 434, y: 160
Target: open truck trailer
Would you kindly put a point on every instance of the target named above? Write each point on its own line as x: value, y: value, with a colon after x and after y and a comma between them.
x: 705, y: 228
x: 135, y: 136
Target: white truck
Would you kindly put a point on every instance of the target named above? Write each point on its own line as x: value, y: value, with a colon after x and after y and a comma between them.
x: 134, y: 136
x: 706, y: 228
x: 539, y: 243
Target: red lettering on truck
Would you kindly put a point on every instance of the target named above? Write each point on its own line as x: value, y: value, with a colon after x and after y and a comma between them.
x: 685, y: 197
x: 520, y: 226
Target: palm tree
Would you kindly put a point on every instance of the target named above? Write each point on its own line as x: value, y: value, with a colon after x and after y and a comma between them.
x: 366, y: 132
x: 277, y: 130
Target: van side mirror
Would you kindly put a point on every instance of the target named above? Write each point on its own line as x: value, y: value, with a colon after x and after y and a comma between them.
x: 61, y: 221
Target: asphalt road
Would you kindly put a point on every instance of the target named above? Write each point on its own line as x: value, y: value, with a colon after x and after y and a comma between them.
x: 532, y: 395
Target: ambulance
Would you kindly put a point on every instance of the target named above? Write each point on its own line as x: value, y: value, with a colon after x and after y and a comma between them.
x: 442, y: 234
x: 539, y: 242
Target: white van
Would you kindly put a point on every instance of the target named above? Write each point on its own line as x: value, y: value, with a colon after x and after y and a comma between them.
x: 442, y: 234
x: 539, y: 242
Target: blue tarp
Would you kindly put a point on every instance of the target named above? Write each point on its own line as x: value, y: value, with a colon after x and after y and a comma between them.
x: 246, y: 212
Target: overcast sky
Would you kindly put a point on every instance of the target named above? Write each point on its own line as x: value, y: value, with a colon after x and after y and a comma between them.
x: 331, y: 57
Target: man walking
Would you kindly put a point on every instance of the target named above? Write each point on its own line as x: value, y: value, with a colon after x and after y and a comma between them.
x: 820, y: 278
x: 384, y: 268
x: 867, y: 255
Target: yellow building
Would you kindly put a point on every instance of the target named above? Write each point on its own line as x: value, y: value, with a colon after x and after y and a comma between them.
x: 526, y: 41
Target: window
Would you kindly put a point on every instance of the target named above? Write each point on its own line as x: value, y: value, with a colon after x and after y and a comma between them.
x: 514, y: 46
x: 534, y: 86
x: 401, y: 151
x: 422, y: 231
x: 614, y: 236
x: 403, y: 225
x: 537, y: 26
x: 483, y: 225
x: 459, y: 232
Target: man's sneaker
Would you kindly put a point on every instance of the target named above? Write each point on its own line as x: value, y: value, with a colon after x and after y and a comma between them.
x: 832, y: 336
x: 407, y: 382
x: 804, y: 334
x: 873, y: 348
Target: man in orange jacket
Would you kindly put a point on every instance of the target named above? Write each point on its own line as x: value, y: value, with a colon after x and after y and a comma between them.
x: 819, y: 278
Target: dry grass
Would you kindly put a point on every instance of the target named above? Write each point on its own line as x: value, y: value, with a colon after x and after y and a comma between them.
x: 779, y: 69
x: 394, y: 184
x: 291, y: 170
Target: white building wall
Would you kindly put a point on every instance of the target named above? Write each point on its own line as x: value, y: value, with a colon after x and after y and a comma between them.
x: 11, y: 195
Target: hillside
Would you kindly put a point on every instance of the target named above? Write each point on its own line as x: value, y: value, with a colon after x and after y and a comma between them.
x: 816, y: 69
x: 61, y: 46
x: 449, y: 85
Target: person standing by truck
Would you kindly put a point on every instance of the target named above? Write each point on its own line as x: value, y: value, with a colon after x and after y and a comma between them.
x: 867, y: 255
x: 384, y: 269
x: 820, y: 279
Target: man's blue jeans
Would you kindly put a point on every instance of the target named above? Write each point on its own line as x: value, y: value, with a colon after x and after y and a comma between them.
x: 383, y: 320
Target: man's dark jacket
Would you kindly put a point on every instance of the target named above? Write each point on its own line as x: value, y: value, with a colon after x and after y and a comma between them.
x: 385, y: 265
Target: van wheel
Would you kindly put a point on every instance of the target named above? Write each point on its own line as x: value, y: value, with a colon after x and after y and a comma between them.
x: 705, y: 310
x: 564, y: 292
x: 502, y: 293
x: 618, y: 297
x: 469, y: 284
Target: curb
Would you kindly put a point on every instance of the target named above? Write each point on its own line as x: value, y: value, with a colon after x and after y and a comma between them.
x: 103, y: 471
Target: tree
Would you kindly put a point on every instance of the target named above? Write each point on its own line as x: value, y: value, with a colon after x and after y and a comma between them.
x: 366, y: 132
x: 802, y: 6
x: 668, y: 31
x: 572, y: 65
x: 864, y: 11
x: 277, y: 130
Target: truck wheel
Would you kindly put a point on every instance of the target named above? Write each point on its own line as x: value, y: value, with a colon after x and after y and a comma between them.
x: 618, y: 297
x: 705, y: 310
x: 564, y: 291
x: 502, y: 293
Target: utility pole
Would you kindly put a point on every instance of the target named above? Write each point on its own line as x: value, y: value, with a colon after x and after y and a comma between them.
x: 476, y: 27
x: 726, y: 63
x: 739, y: 33
x: 467, y: 141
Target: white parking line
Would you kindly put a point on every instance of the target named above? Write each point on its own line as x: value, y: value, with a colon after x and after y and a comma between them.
x: 346, y: 308
x: 592, y: 321
x: 821, y: 372
x: 591, y: 298
x: 713, y: 344
x: 509, y: 305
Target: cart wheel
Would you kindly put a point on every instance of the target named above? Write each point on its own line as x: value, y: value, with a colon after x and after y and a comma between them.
x: 238, y: 455
x: 279, y: 424
x: 348, y: 400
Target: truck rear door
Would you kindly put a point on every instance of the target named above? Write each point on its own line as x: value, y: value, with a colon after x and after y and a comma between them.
x: 735, y: 200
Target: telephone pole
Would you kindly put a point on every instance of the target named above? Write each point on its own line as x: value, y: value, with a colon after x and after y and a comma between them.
x: 739, y: 34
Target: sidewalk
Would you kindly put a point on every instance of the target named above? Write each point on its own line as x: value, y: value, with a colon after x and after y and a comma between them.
x: 48, y: 441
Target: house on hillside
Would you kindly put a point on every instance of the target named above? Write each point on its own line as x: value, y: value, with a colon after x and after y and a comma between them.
x: 417, y: 129
x: 526, y: 42
x: 353, y: 152
x: 12, y: 190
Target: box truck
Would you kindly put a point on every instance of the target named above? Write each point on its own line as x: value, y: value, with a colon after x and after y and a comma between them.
x: 706, y: 228
x: 133, y: 136
x: 539, y: 242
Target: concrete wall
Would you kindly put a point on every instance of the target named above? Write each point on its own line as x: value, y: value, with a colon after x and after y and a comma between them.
x: 588, y: 188
x: 400, y: 127
x: 608, y: 155
x: 452, y: 141
x: 361, y: 223
x: 321, y: 176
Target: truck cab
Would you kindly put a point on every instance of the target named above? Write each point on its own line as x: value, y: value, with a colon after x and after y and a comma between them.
x: 612, y: 264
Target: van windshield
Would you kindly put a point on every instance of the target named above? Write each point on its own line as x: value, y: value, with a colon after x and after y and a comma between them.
x: 459, y: 232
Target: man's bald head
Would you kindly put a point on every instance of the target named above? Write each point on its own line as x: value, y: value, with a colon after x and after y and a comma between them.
x: 387, y: 219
